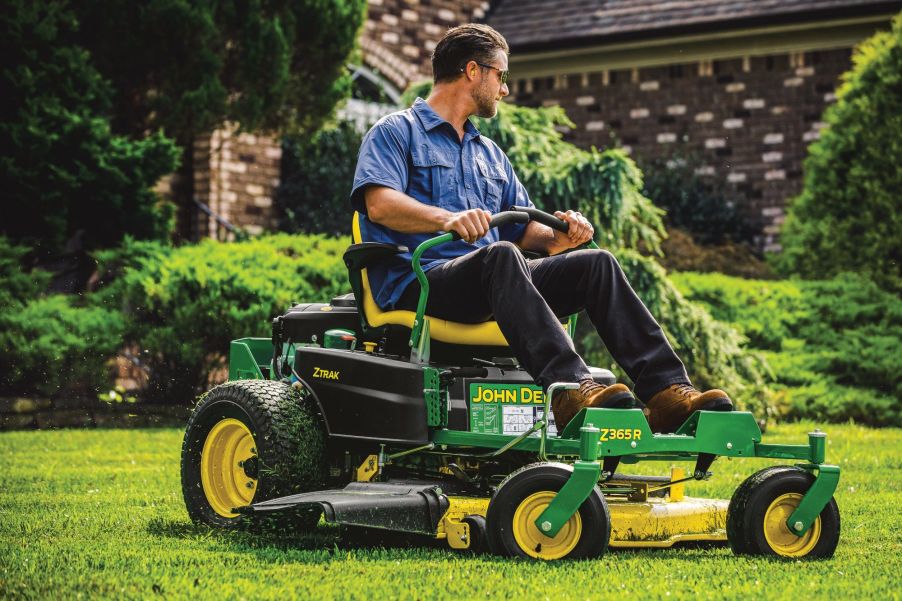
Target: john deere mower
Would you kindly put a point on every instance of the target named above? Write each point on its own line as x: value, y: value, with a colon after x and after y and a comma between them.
x: 399, y: 421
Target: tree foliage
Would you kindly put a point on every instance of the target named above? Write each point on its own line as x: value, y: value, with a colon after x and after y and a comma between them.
x: 849, y: 215
x: 695, y: 203
x: 62, y: 170
x: 317, y: 173
x: 187, y: 67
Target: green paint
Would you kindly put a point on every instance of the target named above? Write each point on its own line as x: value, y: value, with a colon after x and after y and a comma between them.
x: 567, y: 501
x: 815, y: 499
x: 436, y: 399
x: 249, y: 357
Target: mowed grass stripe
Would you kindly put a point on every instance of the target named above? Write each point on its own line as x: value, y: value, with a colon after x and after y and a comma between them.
x: 99, y: 514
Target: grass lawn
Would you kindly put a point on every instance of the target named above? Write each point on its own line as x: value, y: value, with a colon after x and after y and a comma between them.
x: 99, y: 514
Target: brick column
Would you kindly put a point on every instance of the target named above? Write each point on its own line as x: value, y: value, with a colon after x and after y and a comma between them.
x: 236, y: 175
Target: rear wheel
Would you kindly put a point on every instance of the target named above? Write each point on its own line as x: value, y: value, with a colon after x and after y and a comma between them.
x: 248, y: 441
x: 760, y: 508
x: 522, y: 498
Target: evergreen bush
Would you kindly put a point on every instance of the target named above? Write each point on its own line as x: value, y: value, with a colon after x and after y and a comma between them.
x: 186, y: 304
x: 834, y: 346
x: 63, y: 173
x: 317, y: 174
x: 849, y: 214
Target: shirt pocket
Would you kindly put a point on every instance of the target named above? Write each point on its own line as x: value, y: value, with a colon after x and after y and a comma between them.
x: 493, y: 179
x: 432, y: 177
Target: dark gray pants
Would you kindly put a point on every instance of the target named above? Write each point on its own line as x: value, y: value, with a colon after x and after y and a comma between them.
x: 527, y: 298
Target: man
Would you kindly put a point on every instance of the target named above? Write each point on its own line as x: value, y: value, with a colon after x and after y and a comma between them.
x: 427, y: 169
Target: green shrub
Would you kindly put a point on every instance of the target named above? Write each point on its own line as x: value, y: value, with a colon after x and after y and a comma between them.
x: 186, y: 304
x: 696, y: 203
x: 50, y: 345
x: 63, y: 172
x: 834, y: 346
x: 17, y: 286
x: 849, y: 214
x: 317, y: 174
x: 53, y: 346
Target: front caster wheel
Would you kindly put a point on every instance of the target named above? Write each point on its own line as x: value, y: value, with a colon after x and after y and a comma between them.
x: 522, y: 498
x: 756, y: 518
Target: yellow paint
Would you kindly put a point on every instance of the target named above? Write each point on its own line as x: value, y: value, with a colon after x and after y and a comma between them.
x: 452, y: 527
x: 222, y: 476
x: 777, y: 533
x: 531, y: 540
x: 325, y: 374
x: 620, y: 434
x: 677, y: 492
x: 368, y: 469
x: 654, y: 523
x: 457, y: 533
x: 659, y: 523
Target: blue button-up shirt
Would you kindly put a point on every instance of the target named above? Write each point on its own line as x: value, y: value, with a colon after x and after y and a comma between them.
x: 420, y: 154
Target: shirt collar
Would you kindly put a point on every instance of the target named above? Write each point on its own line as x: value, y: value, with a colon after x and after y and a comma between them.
x: 430, y: 119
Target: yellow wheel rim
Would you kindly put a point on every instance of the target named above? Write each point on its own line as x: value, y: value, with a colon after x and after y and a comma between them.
x: 228, y: 445
x: 530, y: 538
x: 777, y: 533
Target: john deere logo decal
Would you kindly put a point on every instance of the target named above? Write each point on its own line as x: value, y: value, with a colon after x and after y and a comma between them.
x: 325, y: 374
x: 506, y: 408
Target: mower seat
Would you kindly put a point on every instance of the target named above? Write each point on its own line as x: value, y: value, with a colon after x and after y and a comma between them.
x: 361, y: 254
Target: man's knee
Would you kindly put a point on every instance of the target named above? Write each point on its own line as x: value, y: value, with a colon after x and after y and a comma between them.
x: 507, y: 257
x: 504, y: 251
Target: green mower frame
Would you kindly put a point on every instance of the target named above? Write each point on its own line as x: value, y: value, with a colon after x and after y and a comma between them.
x: 593, y: 444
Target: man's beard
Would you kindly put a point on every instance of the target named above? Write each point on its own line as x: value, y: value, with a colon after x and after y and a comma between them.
x: 486, y: 105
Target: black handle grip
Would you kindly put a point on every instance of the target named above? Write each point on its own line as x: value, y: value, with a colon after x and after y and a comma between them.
x: 543, y: 218
x: 501, y: 219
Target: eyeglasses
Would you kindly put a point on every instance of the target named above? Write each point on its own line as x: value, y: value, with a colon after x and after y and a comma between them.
x: 504, y: 73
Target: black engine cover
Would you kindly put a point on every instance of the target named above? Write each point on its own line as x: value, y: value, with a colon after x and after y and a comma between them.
x: 364, y: 396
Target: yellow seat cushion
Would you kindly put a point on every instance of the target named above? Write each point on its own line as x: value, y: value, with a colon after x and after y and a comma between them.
x: 452, y: 332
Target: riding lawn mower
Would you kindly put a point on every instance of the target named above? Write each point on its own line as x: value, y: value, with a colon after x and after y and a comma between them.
x: 399, y: 421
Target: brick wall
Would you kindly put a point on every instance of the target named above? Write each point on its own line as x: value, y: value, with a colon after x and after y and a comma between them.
x: 236, y: 176
x: 748, y: 119
x: 400, y: 35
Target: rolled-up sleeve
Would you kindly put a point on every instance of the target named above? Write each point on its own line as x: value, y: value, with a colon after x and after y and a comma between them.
x: 382, y: 160
x: 514, y: 194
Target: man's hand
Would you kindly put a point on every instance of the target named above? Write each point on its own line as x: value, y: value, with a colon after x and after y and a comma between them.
x: 471, y: 225
x: 580, y: 232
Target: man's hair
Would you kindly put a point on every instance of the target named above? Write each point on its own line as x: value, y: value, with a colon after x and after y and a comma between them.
x: 459, y: 45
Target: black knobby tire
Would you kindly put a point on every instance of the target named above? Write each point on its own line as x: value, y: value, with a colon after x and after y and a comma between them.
x: 518, y: 501
x: 288, y: 437
x: 737, y: 508
x: 752, y: 531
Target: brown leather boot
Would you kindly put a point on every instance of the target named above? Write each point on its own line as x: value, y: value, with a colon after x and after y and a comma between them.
x: 669, y: 408
x: 567, y: 403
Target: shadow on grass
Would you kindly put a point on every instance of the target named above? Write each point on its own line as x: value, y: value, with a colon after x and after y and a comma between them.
x: 329, y: 542
x: 272, y: 535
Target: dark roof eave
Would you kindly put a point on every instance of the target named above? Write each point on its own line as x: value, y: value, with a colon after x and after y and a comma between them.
x: 696, y: 28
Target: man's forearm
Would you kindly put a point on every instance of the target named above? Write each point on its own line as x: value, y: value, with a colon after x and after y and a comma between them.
x: 398, y: 211
x: 540, y: 238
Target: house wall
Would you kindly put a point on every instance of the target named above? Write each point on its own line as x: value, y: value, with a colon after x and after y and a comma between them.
x: 748, y: 120
x: 236, y: 175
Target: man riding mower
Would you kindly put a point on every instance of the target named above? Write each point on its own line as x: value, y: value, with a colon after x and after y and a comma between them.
x: 402, y: 425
